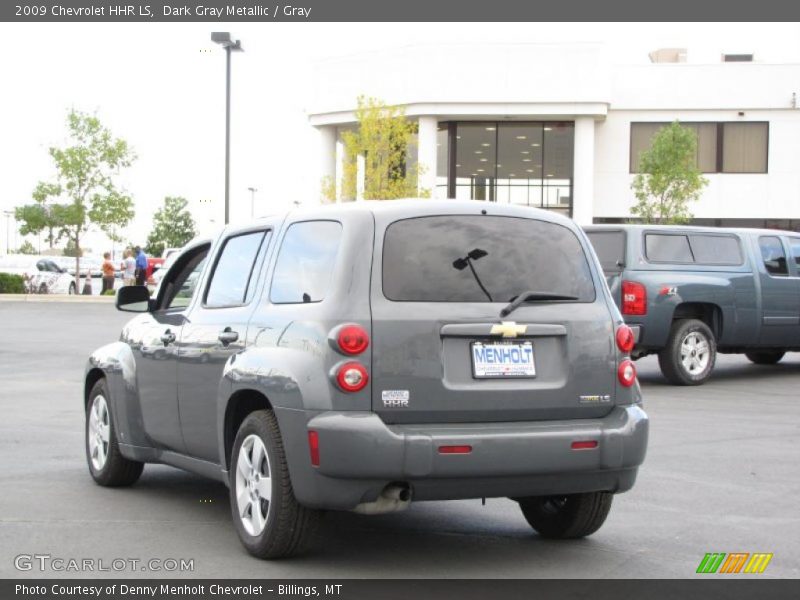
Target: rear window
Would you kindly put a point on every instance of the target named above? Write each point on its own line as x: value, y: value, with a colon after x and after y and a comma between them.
x: 482, y: 259
x: 667, y: 248
x: 610, y: 248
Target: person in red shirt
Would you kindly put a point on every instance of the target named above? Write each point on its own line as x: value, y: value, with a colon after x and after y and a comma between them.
x: 108, y: 273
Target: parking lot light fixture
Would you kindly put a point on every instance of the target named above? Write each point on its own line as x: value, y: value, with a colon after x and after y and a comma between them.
x: 223, y: 38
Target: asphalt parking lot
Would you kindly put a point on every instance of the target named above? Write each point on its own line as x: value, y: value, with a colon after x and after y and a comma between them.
x: 722, y: 475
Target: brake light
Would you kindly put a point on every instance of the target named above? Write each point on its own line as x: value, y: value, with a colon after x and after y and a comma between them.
x: 634, y: 298
x: 626, y: 373
x: 352, y: 377
x: 313, y: 447
x: 352, y: 340
x: 625, y: 339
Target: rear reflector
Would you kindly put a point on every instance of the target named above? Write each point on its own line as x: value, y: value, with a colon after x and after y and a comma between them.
x: 625, y: 339
x: 634, y: 298
x: 455, y: 449
x: 626, y: 373
x: 313, y: 447
x: 584, y: 445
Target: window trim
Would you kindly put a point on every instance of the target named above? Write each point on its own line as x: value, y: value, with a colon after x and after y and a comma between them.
x: 720, y: 139
x: 279, y: 248
x: 250, y: 279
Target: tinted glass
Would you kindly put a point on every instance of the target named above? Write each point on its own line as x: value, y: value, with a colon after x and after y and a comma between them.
x: 479, y: 258
x: 234, y: 270
x: 716, y: 249
x: 180, y: 288
x: 745, y: 147
x: 305, y: 262
x: 667, y: 248
x: 610, y: 248
x: 773, y: 255
x: 794, y: 244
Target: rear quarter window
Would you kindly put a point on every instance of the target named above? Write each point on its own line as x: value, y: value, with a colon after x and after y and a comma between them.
x: 716, y: 249
x: 482, y: 259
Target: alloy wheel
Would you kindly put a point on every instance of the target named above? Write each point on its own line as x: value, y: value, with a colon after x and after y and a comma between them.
x: 695, y: 353
x: 99, y: 432
x: 253, y: 485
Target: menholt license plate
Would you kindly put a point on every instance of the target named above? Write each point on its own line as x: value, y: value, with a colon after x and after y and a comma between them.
x: 498, y: 360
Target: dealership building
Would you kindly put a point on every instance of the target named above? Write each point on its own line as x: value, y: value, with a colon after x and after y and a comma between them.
x: 561, y: 126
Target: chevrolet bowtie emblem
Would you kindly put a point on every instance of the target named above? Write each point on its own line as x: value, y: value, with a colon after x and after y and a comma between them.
x: 508, y: 329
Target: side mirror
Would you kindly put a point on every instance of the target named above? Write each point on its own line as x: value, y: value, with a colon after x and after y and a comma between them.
x: 133, y: 298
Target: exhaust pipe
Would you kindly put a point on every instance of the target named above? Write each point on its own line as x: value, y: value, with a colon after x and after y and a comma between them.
x: 394, y: 498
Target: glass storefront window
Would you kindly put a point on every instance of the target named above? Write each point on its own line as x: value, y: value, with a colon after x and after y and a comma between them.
x: 528, y: 163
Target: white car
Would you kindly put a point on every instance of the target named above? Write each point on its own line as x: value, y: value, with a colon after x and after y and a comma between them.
x: 45, y: 276
x: 170, y: 255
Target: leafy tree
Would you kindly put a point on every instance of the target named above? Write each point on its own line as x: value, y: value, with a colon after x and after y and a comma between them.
x: 382, y: 138
x: 84, y: 192
x: 72, y: 250
x: 668, y: 178
x: 173, y: 226
x: 27, y: 248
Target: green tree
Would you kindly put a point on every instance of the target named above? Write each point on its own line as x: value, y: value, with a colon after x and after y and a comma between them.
x: 668, y: 178
x: 84, y: 192
x: 382, y: 138
x: 27, y: 248
x: 173, y: 226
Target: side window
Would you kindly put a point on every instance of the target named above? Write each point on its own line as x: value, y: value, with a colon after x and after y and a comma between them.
x: 179, y: 285
x: 305, y: 262
x: 773, y: 256
x: 716, y: 249
x: 667, y: 248
x: 233, y: 271
x: 794, y: 244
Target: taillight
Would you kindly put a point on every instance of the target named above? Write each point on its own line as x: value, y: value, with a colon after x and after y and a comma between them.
x: 625, y: 340
x: 634, y: 298
x: 313, y: 447
x: 352, y: 340
x: 352, y: 377
x: 626, y: 373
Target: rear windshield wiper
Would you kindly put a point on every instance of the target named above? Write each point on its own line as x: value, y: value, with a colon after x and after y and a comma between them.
x: 532, y: 296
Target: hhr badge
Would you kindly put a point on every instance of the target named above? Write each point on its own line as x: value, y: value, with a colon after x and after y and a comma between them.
x: 508, y: 329
x: 395, y: 398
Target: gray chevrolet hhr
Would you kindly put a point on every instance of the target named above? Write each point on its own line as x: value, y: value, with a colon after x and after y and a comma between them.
x: 364, y: 356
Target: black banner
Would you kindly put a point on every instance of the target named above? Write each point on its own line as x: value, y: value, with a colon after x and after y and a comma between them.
x: 221, y: 11
x: 729, y: 588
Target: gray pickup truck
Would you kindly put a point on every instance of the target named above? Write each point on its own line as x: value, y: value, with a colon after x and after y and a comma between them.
x: 690, y: 292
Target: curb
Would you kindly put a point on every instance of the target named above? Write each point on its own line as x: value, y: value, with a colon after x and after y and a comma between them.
x: 56, y: 298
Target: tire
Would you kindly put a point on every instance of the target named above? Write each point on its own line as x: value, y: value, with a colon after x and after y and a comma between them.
x: 281, y: 527
x: 676, y: 360
x: 72, y: 289
x: 106, y: 464
x: 765, y: 357
x: 567, y: 517
x: 42, y: 289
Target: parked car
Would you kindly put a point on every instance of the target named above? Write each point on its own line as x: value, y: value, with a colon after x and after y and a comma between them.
x: 88, y: 265
x: 691, y: 292
x: 44, y: 275
x: 169, y: 255
x: 361, y: 357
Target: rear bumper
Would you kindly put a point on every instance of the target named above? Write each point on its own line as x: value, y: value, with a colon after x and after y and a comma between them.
x: 360, y: 455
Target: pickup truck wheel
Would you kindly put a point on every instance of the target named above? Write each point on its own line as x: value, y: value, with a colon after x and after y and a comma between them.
x: 269, y: 520
x: 106, y: 464
x: 690, y: 353
x: 765, y: 358
x: 72, y: 289
x: 567, y: 517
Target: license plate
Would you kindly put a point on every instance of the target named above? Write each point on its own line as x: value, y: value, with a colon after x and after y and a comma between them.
x: 498, y: 360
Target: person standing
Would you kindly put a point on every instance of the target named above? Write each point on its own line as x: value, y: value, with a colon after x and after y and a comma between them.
x: 129, y: 268
x: 141, y: 266
x: 108, y: 273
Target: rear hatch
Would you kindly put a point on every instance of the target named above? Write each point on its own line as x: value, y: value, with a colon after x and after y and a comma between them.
x: 610, y: 246
x: 442, y: 352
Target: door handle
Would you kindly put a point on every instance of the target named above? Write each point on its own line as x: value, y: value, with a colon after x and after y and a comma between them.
x: 167, y: 337
x: 228, y: 336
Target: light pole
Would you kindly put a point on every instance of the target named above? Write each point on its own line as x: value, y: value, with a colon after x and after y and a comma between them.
x: 223, y: 38
x: 8, y: 215
x: 252, y: 201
